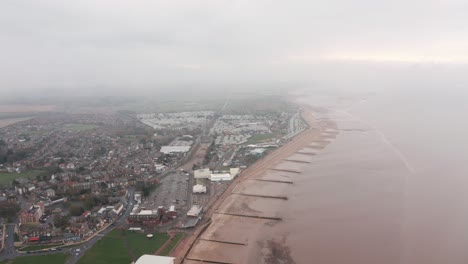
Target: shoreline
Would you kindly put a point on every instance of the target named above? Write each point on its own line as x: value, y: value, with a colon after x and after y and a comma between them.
x: 315, y: 129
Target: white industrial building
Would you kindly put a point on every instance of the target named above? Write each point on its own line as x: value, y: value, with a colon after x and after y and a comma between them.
x: 137, y: 197
x: 159, y: 167
x: 152, y: 259
x: 234, y: 172
x: 216, y: 176
x: 175, y: 149
x: 198, y: 188
x: 224, y: 176
x: 220, y: 177
x: 202, y: 174
x: 194, y: 211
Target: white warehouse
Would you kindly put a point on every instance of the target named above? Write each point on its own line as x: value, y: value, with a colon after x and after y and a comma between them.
x: 175, y: 149
x: 198, y: 188
x: 216, y: 176
x: 202, y: 174
x: 220, y: 177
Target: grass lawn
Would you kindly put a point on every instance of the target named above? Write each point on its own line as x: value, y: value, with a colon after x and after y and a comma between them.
x: 120, y: 246
x: 168, y: 249
x: 58, y: 258
x: 7, y: 177
x: 259, y: 138
x: 80, y: 127
x: 37, y: 247
x: 109, y: 249
x: 140, y: 244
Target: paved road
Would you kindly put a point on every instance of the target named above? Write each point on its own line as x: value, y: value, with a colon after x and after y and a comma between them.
x: 76, y: 252
x: 9, y: 240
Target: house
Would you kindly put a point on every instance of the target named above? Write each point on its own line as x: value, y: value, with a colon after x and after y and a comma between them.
x: 50, y: 192
x: 172, y: 213
x: 159, y: 167
x: 32, y: 215
x: 30, y: 187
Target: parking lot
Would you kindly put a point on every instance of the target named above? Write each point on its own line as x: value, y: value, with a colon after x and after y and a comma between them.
x: 173, y: 190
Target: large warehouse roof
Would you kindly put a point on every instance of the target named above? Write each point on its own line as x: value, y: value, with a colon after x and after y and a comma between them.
x: 174, y: 149
x: 202, y: 173
x: 194, y: 210
x: 221, y: 177
x: 151, y: 259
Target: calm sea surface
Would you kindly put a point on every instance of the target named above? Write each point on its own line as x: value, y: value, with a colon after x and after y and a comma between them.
x: 392, y: 187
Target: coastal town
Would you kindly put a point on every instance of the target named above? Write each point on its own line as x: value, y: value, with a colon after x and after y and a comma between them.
x: 67, y: 179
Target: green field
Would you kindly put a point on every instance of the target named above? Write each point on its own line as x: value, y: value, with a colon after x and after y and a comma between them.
x: 140, y: 244
x: 259, y: 138
x: 122, y: 247
x: 174, y: 242
x: 80, y: 127
x: 59, y: 258
x: 7, y: 177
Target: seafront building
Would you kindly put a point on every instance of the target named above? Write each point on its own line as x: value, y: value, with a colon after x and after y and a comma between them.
x: 216, y: 175
x: 152, y: 259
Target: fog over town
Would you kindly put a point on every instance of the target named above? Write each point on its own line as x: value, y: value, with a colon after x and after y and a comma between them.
x: 233, y: 132
x: 125, y: 46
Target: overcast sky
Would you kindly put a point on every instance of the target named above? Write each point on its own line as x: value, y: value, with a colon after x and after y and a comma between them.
x: 128, y: 46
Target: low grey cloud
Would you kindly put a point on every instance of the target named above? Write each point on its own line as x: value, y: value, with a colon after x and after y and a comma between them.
x: 129, y: 45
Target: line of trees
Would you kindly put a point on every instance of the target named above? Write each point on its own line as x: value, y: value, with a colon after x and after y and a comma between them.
x: 9, y: 211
